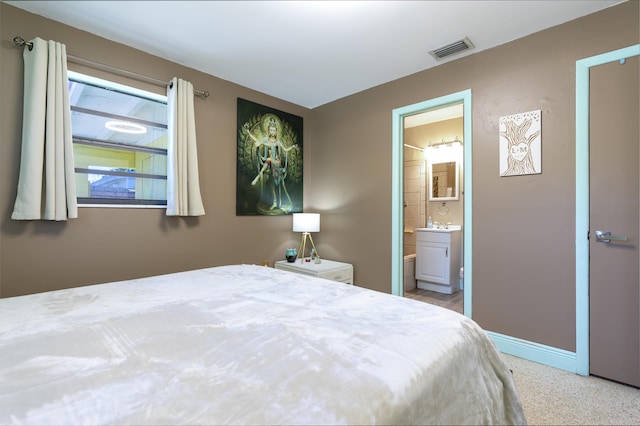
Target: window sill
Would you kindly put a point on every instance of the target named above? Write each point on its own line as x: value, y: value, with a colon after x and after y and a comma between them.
x: 122, y: 206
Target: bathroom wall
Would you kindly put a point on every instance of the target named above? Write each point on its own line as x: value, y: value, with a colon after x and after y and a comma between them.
x: 414, y: 196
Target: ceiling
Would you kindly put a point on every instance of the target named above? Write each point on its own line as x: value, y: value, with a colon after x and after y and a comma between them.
x: 309, y: 52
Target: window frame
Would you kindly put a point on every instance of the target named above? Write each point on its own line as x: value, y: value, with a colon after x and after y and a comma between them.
x: 88, y: 202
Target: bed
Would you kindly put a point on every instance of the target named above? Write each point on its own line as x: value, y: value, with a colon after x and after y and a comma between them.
x: 245, y: 344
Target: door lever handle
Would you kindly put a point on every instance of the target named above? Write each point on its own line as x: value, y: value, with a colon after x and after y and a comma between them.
x: 606, y: 237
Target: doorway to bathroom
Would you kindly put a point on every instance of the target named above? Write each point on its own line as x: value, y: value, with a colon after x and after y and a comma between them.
x: 433, y: 199
x: 431, y: 180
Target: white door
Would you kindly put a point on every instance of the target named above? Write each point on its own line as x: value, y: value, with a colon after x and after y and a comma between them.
x: 614, y: 189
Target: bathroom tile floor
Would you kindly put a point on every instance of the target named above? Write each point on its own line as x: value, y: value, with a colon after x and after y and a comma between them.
x: 454, y: 301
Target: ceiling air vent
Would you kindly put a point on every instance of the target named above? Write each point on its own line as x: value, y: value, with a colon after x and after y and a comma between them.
x: 452, y: 49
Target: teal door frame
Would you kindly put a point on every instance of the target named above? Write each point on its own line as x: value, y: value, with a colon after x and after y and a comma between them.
x: 397, y: 228
x: 582, y: 197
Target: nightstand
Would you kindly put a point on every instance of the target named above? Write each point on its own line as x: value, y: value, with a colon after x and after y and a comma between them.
x: 328, y: 269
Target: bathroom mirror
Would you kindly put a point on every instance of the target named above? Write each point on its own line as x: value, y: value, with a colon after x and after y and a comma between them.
x: 443, y: 181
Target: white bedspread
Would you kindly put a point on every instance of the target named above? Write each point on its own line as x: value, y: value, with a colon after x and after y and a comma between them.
x: 245, y: 344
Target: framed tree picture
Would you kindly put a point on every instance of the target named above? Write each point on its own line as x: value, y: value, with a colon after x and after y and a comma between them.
x: 520, y: 144
x: 269, y: 161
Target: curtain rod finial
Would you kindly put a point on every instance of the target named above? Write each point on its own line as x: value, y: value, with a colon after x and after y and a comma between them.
x: 19, y: 41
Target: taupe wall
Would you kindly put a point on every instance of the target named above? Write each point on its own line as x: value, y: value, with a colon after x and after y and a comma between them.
x: 113, y: 244
x: 524, y: 280
x: 523, y: 227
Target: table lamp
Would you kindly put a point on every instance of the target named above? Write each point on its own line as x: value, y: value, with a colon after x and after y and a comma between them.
x: 306, y: 223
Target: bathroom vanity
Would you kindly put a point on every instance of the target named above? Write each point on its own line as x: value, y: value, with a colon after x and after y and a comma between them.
x: 438, y: 259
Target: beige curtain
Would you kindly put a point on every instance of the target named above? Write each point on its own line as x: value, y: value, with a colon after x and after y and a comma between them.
x: 183, y: 186
x: 46, y: 185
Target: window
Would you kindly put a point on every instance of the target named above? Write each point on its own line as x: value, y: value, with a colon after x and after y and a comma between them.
x: 119, y: 143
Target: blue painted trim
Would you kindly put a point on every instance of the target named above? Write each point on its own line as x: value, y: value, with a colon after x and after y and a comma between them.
x: 397, y: 198
x: 582, y: 219
x: 398, y: 115
x: 536, y: 352
x: 582, y: 197
x: 468, y: 205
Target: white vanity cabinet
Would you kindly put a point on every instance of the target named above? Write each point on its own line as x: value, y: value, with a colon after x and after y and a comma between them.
x: 438, y: 259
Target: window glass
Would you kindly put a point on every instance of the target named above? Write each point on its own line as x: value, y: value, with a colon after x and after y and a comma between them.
x: 119, y: 143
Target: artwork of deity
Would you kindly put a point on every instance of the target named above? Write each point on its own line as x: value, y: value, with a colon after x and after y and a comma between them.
x: 269, y: 162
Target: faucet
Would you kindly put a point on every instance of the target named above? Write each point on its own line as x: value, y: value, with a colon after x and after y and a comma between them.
x: 436, y: 225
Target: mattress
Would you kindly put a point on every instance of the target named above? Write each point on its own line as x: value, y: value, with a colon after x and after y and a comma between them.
x: 245, y: 344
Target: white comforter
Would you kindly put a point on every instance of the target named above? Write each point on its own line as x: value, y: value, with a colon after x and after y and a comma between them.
x: 245, y: 345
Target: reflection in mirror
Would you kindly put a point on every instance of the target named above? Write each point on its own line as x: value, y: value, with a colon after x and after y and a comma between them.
x: 443, y: 180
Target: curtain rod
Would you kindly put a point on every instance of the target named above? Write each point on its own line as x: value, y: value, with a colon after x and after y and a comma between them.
x: 19, y: 41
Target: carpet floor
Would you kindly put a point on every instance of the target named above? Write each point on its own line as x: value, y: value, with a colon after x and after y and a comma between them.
x: 556, y: 397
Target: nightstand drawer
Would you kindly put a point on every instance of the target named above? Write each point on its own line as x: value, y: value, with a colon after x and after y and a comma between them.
x: 344, y: 275
x: 327, y: 269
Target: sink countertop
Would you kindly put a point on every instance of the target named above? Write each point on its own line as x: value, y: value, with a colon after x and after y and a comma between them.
x: 452, y: 228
